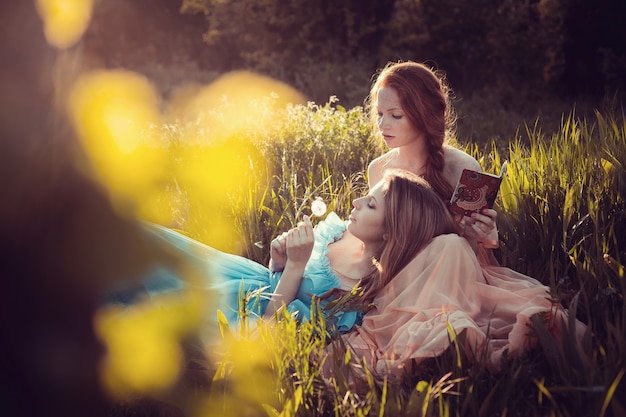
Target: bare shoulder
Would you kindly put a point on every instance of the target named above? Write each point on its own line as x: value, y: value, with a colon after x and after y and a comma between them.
x: 459, y: 159
x: 455, y: 162
x: 376, y: 168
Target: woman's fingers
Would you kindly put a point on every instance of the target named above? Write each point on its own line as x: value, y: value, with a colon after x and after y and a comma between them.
x: 484, y: 230
x: 278, y: 247
x: 280, y: 243
x: 487, y: 216
x: 485, y: 221
x: 304, y: 230
x: 300, y: 241
x: 484, y: 224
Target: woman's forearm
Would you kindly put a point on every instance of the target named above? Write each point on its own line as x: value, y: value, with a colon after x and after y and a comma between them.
x: 287, y: 287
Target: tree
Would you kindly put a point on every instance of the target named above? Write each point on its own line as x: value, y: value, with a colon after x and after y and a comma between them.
x: 293, y: 40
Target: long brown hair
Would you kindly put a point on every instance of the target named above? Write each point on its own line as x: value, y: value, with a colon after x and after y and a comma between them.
x: 425, y: 98
x: 414, y: 215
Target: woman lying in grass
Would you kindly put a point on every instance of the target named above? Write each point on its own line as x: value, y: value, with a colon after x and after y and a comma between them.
x: 421, y: 282
x: 386, y: 229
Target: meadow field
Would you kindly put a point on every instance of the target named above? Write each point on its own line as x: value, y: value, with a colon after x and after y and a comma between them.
x: 561, y: 217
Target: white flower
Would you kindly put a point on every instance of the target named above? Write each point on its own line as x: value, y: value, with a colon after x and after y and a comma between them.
x: 318, y: 207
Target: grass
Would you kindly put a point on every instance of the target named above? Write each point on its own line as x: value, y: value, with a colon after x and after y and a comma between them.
x: 561, y: 219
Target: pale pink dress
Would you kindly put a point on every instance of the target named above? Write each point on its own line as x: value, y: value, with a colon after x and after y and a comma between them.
x: 445, y: 287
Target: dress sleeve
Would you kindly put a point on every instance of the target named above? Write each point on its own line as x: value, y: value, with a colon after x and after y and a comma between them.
x: 318, y: 277
x: 330, y: 229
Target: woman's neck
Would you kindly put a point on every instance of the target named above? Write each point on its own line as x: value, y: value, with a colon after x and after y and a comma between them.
x: 412, y: 157
x: 362, y: 250
x: 369, y: 252
x: 351, y: 257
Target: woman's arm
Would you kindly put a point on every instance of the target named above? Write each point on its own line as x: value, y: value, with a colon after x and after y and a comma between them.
x: 299, y: 245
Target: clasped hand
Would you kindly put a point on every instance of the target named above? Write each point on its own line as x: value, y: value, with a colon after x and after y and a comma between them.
x: 294, y: 246
x: 481, y: 228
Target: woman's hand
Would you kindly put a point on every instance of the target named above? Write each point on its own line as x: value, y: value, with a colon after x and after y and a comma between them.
x: 278, y: 253
x: 481, y: 228
x: 299, y: 242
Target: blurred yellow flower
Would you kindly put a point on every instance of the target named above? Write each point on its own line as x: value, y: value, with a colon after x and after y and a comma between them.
x: 245, y: 382
x: 218, y: 164
x: 64, y: 21
x: 115, y: 114
x: 143, y: 343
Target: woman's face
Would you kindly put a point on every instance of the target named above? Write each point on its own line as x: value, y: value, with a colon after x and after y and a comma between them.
x: 367, y: 218
x: 393, y: 123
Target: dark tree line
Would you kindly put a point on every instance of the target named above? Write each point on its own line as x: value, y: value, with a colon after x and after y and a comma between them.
x: 515, y: 48
x: 566, y: 46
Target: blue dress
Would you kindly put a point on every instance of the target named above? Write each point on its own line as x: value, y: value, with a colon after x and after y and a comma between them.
x: 231, y: 276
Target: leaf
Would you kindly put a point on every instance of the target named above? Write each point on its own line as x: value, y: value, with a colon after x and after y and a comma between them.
x: 223, y: 324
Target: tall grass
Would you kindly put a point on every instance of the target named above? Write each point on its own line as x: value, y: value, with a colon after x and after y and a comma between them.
x: 317, y: 151
x: 561, y: 220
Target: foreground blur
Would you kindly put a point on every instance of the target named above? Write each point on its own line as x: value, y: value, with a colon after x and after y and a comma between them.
x: 78, y: 177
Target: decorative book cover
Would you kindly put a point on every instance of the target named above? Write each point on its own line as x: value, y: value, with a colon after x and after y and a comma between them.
x: 475, y: 191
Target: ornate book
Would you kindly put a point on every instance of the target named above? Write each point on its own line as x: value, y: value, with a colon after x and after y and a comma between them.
x: 475, y: 191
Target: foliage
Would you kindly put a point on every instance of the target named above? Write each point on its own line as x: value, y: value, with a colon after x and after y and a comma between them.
x: 511, y: 46
x: 294, y: 40
x: 574, y: 211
